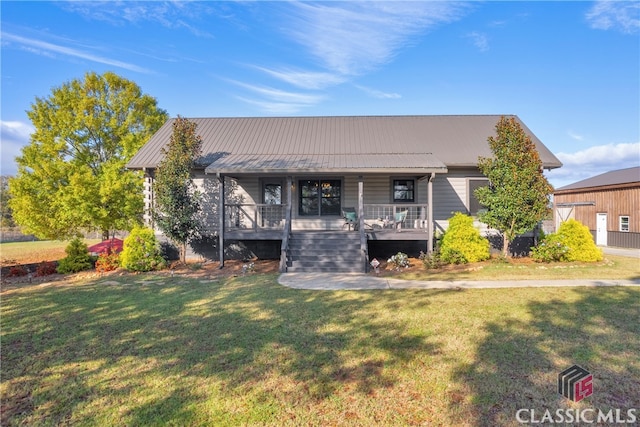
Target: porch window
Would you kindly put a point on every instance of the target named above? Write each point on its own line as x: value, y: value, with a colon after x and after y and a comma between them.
x: 319, y: 197
x: 624, y: 223
x: 474, y: 204
x: 403, y: 190
x: 272, y: 194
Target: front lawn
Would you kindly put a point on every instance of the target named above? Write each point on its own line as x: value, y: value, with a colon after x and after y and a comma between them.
x: 153, y: 349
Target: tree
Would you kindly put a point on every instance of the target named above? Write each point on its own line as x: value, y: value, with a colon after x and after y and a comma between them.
x: 6, y: 217
x: 177, y: 202
x: 72, y: 175
x: 517, y: 197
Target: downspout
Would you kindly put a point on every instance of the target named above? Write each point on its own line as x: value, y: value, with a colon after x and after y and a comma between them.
x: 221, y: 215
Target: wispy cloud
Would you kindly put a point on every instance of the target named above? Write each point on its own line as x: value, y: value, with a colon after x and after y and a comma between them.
x: 480, y: 40
x: 593, y: 161
x: 352, y: 38
x: 575, y: 136
x: 170, y: 14
x: 14, y: 136
x: 378, y: 93
x: 304, y: 79
x: 44, y: 48
x: 272, y: 100
x: 623, y: 16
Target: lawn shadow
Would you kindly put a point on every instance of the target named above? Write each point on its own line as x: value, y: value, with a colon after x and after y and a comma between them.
x: 517, y: 364
x: 122, y: 340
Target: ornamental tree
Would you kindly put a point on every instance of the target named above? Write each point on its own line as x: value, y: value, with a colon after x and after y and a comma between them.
x: 177, y: 202
x: 72, y: 176
x: 517, y: 197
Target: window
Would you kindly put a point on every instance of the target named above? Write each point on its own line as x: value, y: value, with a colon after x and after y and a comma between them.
x: 403, y: 190
x: 272, y: 194
x: 474, y: 205
x: 624, y: 223
x: 319, y: 197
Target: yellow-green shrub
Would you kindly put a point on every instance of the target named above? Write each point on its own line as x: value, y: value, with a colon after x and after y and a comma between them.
x: 574, y: 241
x: 462, y: 242
x: 141, y: 251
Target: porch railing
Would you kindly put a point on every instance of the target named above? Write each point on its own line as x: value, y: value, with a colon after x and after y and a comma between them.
x: 377, y: 217
x: 393, y: 216
x: 254, y: 216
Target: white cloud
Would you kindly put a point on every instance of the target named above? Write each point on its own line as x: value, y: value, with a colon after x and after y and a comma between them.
x: 277, y: 101
x: 14, y: 136
x: 45, y: 48
x: 480, y: 40
x: 615, y: 15
x: 170, y: 14
x: 574, y: 135
x: 594, y: 161
x: 378, y: 94
x: 304, y: 79
x: 352, y: 38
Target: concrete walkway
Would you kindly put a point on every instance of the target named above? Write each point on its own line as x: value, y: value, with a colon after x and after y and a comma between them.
x: 358, y: 281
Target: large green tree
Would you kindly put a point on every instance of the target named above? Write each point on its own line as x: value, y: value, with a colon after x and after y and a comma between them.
x: 177, y: 206
x: 72, y: 175
x: 517, y: 197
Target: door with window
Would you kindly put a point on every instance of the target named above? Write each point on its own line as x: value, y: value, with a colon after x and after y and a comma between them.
x: 319, y: 197
x: 272, y: 212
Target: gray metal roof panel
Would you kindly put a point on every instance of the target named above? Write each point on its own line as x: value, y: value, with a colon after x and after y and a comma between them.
x: 455, y: 140
x: 616, y: 177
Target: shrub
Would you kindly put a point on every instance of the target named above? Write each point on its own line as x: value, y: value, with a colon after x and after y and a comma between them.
x: 399, y: 261
x: 141, y: 251
x: 46, y: 268
x: 462, y: 242
x: 572, y: 242
x: 77, y: 258
x: 551, y: 249
x: 430, y: 261
x: 18, y: 271
x: 107, y: 261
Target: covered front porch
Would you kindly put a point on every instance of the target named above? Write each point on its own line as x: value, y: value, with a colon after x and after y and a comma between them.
x: 340, y: 219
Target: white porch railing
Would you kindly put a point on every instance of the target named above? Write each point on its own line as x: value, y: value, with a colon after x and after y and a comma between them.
x: 254, y: 216
x: 377, y: 217
x: 394, y: 216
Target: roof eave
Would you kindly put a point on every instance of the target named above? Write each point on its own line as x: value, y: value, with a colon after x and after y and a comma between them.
x: 326, y: 171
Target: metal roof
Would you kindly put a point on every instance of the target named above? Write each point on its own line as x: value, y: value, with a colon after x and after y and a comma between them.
x: 616, y: 177
x: 341, y: 143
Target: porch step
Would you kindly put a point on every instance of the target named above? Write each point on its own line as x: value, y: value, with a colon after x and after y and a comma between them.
x: 324, y: 252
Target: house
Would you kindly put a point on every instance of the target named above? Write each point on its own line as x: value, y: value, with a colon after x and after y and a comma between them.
x: 609, y: 204
x: 325, y: 193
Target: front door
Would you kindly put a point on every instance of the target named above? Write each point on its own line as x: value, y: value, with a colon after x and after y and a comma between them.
x: 601, y: 229
x: 271, y: 211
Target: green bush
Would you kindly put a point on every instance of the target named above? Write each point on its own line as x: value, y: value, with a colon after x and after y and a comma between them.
x: 430, y: 261
x: 141, y: 251
x: 572, y: 242
x: 462, y: 242
x: 398, y: 261
x: 77, y: 259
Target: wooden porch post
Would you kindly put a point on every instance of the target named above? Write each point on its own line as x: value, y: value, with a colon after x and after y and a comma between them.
x: 363, y: 236
x: 221, y: 215
x: 287, y: 227
x: 430, y: 213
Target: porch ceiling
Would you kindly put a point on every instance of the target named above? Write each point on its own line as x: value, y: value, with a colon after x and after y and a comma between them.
x: 415, y: 163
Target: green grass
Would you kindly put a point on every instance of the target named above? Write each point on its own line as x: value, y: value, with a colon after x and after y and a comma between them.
x: 154, y: 350
x: 612, y: 268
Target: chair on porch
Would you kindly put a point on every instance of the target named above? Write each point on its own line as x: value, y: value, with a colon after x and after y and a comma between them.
x: 399, y: 219
x: 350, y: 218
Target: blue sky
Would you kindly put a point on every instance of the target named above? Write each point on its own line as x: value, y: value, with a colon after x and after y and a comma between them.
x: 569, y: 70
